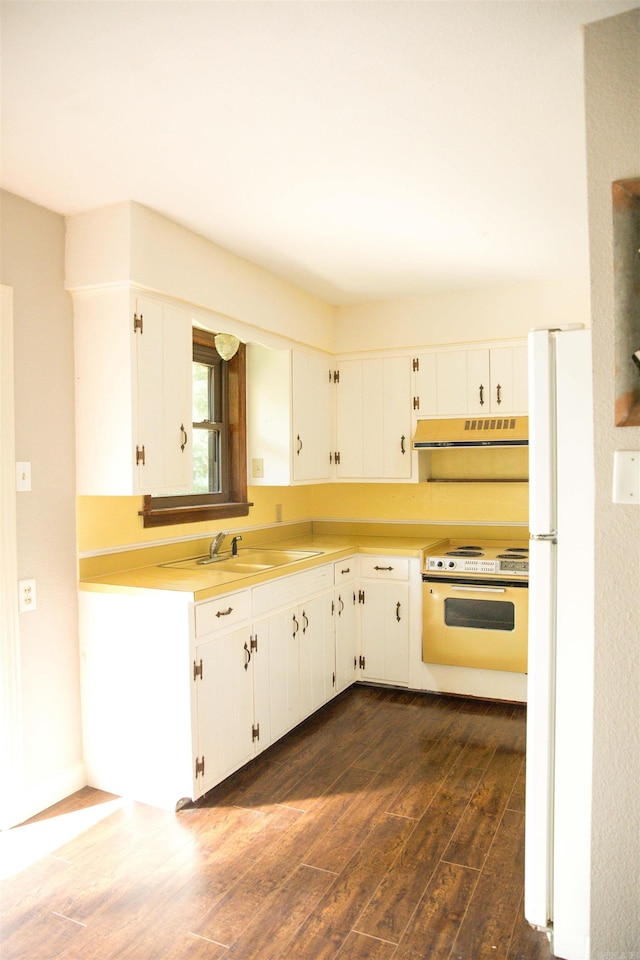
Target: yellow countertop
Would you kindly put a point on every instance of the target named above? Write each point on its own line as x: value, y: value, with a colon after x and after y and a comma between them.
x: 208, y: 582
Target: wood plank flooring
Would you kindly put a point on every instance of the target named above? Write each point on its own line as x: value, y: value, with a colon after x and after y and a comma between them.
x: 389, y: 826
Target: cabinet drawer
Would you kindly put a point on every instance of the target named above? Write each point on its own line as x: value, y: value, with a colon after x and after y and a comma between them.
x: 384, y: 568
x: 222, y: 613
x: 288, y: 591
x: 344, y: 570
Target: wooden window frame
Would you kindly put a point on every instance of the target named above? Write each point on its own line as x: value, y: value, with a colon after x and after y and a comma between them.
x: 192, y: 508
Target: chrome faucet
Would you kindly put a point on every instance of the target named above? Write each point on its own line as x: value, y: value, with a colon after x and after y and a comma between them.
x: 216, y: 543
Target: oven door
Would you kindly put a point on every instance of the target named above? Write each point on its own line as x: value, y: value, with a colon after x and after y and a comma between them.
x: 475, y: 622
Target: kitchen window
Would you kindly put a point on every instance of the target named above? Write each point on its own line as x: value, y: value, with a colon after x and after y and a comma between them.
x: 218, y: 437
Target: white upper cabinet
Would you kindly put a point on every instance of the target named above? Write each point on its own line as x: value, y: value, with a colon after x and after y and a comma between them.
x: 312, y: 432
x: 133, y: 394
x: 509, y: 380
x: 288, y: 416
x: 164, y: 356
x: 470, y: 382
x: 373, y: 419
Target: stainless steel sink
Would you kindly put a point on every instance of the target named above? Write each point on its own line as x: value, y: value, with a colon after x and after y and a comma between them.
x: 247, y: 561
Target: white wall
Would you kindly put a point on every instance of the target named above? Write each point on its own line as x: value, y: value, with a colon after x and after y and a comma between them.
x: 486, y: 314
x: 33, y: 265
x: 131, y: 243
x: 612, y: 87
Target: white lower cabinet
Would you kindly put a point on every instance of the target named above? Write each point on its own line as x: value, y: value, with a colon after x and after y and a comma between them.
x: 384, y: 619
x: 176, y: 695
x: 300, y: 645
x: 282, y: 673
x: 139, y: 720
x: 223, y: 674
x: 317, y: 653
x: 345, y: 623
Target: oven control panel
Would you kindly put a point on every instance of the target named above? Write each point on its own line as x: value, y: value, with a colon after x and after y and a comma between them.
x: 461, y: 565
x: 509, y: 565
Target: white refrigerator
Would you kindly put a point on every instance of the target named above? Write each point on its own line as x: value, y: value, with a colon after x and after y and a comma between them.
x: 561, y: 625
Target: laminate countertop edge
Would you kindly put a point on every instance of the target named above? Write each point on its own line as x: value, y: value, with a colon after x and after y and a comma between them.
x: 193, y: 586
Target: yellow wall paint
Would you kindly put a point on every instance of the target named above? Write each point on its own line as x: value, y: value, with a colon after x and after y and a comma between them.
x: 423, y: 502
x: 109, y: 522
x: 105, y: 522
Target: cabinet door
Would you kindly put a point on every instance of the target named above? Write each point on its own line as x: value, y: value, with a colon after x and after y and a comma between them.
x: 283, y: 672
x: 373, y: 405
x: 396, y: 418
x: 385, y: 631
x: 105, y: 393
x: 315, y: 645
x: 311, y: 417
x: 345, y: 624
x: 224, y: 697
x: 372, y: 416
x: 452, y: 383
x: 478, y: 382
x: 163, y: 358
x: 509, y: 378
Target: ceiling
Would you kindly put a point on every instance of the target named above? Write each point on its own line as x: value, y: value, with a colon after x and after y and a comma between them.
x: 362, y: 150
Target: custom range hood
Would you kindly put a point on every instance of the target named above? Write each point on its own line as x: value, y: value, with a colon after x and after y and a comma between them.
x: 472, y: 432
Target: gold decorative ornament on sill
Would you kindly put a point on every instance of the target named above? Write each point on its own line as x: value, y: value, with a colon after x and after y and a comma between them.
x: 226, y: 345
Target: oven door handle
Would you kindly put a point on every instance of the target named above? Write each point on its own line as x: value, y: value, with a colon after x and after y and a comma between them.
x: 480, y: 589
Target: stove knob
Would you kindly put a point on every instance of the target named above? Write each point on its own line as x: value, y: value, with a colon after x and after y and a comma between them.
x: 451, y: 564
x: 439, y: 563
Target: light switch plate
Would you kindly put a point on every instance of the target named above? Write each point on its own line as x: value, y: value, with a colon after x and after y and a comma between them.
x: 23, y: 475
x: 626, y: 476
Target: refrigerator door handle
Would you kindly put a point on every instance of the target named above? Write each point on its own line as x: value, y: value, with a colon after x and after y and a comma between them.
x: 545, y: 537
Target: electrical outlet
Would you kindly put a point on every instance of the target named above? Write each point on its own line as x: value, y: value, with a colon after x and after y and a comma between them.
x: 26, y: 596
x: 257, y: 465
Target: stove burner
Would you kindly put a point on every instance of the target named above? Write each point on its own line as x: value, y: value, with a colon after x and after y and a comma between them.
x: 512, y: 556
x: 517, y: 549
x: 464, y: 552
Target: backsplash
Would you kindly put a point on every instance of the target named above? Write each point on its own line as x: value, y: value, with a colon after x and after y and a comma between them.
x: 109, y: 522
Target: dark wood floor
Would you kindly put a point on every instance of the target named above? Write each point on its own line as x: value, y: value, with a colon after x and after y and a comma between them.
x: 388, y: 826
